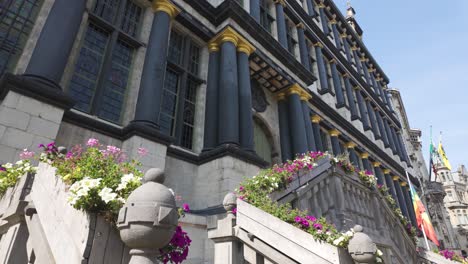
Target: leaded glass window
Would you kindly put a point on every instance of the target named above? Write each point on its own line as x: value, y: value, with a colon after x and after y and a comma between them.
x: 292, y: 42
x: 266, y: 19
x: 177, y: 115
x: 261, y: 143
x: 102, y: 69
x: 17, y: 18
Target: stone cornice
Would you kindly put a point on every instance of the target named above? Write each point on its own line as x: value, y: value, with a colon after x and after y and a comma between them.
x: 165, y: 6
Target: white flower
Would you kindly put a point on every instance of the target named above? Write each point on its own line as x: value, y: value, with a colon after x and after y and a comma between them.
x: 127, y: 177
x: 378, y: 260
x: 72, y: 199
x: 107, y: 195
x: 338, y: 241
x: 19, y: 162
x: 8, y: 166
x: 379, y: 253
x: 82, y: 192
x: 121, y: 186
x: 121, y: 199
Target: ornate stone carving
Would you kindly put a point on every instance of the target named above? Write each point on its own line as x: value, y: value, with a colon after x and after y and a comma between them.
x: 259, y: 101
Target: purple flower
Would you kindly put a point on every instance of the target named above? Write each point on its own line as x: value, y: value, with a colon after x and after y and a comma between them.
x: 241, y: 188
x: 186, y: 207
x: 92, y: 142
x: 298, y: 219
x: 305, y: 223
x: 234, y: 211
x: 318, y: 226
x: 69, y: 155
x: 142, y: 152
x: 311, y: 218
x: 2, y: 169
x: 41, y: 146
x: 112, y: 150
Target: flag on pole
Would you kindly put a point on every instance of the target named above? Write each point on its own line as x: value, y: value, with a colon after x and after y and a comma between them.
x: 443, y: 156
x: 422, y: 218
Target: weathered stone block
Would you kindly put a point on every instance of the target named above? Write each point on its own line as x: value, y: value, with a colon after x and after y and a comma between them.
x: 16, y: 138
x: 13, y: 118
x: 42, y: 127
x: 11, y: 99
x: 7, y: 154
x: 39, y: 109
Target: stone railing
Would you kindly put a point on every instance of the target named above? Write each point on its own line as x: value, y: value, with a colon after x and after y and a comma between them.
x: 253, y: 236
x: 343, y: 200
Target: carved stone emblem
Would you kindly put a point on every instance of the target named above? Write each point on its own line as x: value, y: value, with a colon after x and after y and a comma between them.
x: 259, y: 101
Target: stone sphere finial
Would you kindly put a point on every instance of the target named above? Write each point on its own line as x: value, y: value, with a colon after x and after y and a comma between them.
x: 148, y: 219
x: 361, y: 247
x: 230, y: 202
x: 62, y: 150
x: 154, y: 175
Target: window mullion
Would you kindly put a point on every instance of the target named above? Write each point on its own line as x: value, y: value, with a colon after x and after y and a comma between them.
x: 107, y: 64
x: 179, y: 120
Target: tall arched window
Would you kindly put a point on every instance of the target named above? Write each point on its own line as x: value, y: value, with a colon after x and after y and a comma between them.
x: 262, y: 143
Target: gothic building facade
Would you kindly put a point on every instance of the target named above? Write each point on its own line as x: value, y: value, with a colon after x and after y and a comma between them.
x: 215, y: 90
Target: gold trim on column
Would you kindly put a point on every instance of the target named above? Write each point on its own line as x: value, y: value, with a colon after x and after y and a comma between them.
x: 165, y: 6
x: 245, y: 47
x: 350, y: 145
x: 363, y: 58
x: 334, y: 132
x: 231, y: 35
x: 280, y: 96
x: 321, y: 5
x: 333, y: 61
x: 386, y: 171
x: 357, y: 88
x: 364, y: 155
x: 343, y: 35
x: 345, y: 75
x: 333, y: 21
x: 213, y: 47
x: 395, y: 178
x: 403, y: 183
x: 280, y: 2
x: 316, y: 119
x: 318, y: 44
x: 305, y: 96
x: 297, y: 89
x: 300, y: 25
x: 376, y: 164
x: 354, y: 47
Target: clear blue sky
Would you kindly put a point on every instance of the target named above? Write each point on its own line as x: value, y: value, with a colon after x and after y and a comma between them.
x: 421, y: 46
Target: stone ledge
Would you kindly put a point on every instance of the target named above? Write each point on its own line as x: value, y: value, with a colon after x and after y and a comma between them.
x: 37, y: 90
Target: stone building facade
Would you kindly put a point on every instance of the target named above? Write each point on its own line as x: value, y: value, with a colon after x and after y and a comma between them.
x: 215, y: 90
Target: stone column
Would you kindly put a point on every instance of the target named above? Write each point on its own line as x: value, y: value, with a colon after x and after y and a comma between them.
x: 357, y: 62
x: 350, y: 94
x: 372, y: 121
x: 340, y: 99
x: 322, y: 70
x: 347, y: 48
x: 379, y: 173
x: 390, y: 136
x: 395, y: 141
x: 154, y: 69
x: 255, y: 10
x: 373, y: 81
x: 379, y: 86
x: 228, y: 106
x: 401, y: 199
x: 244, y: 49
x: 390, y: 186
x: 380, y: 124
x: 285, y: 138
x: 323, y: 18
x: 303, y: 49
x: 336, y: 33
x: 365, y: 69
x: 362, y: 109
x: 311, y: 7
x: 403, y: 148
x: 281, y: 23
x: 365, y: 161
x: 52, y: 50
x: 316, y: 128
x: 210, y: 140
x: 308, y: 123
x: 353, y: 157
x: 409, y: 203
x: 334, y: 133
x: 296, y: 118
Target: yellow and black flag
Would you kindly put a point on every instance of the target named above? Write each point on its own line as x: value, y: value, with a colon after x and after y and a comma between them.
x: 443, y: 156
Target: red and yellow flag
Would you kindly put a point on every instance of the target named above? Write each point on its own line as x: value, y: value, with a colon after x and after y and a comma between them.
x: 422, y: 217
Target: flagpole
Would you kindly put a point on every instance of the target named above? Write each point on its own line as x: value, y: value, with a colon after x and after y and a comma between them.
x: 425, y: 237
x: 430, y: 156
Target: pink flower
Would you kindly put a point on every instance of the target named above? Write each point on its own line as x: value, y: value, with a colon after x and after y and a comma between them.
x: 112, y: 150
x: 318, y: 226
x: 311, y: 218
x: 142, y: 152
x: 298, y: 219
x: 305, y: 223
x: 26, y: 154
x: 186, y: 207
x: 2, y: 169
x: 234, y: 211
x: 92, y: 142
x: 241, y: 188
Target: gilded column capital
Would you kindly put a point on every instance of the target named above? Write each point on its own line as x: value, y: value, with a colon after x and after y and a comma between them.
x: 343, y: 35
x: 363, y: 59
x: 318, y: 44
x: 372, y: 70
x: 321, y: 5
x: 281, y: 2
x: 165, y: 6
x: 376, y: 164
x: 315, y: 119
x: 367, y: 99
x: 333, y: 61
x: 245, y: 47
x: 364, y: 155
x: 281, y: 96
x: 213, y: 47
x: 333, y: 21
x: 357, y: 88
x: 297, y: 89
x: 350, y: 145
x: 403, y: 183
x: 354, y: 47
x: 345, y: 75
x: 334, y: 132
x: 305, y: 96
x: 300, y: 25
x: 395, y: 177
x: 386, y: 171
x: 231, y: 35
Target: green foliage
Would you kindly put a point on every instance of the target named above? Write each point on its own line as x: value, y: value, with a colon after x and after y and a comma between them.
x: 11, y: 173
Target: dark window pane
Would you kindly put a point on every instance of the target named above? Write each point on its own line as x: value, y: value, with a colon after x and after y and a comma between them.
x: 16, y: 21
x: 106, y: 9
x: 194, y: 58
x: 175, y: 48
x: 266, y: 20
x: 131, y: 18
x: 116, y: 84
x: 169, y: 102
x: 189, y: 114
x: 88, y: 67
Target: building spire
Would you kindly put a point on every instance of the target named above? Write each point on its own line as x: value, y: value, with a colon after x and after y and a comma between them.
x: 350, y: 13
